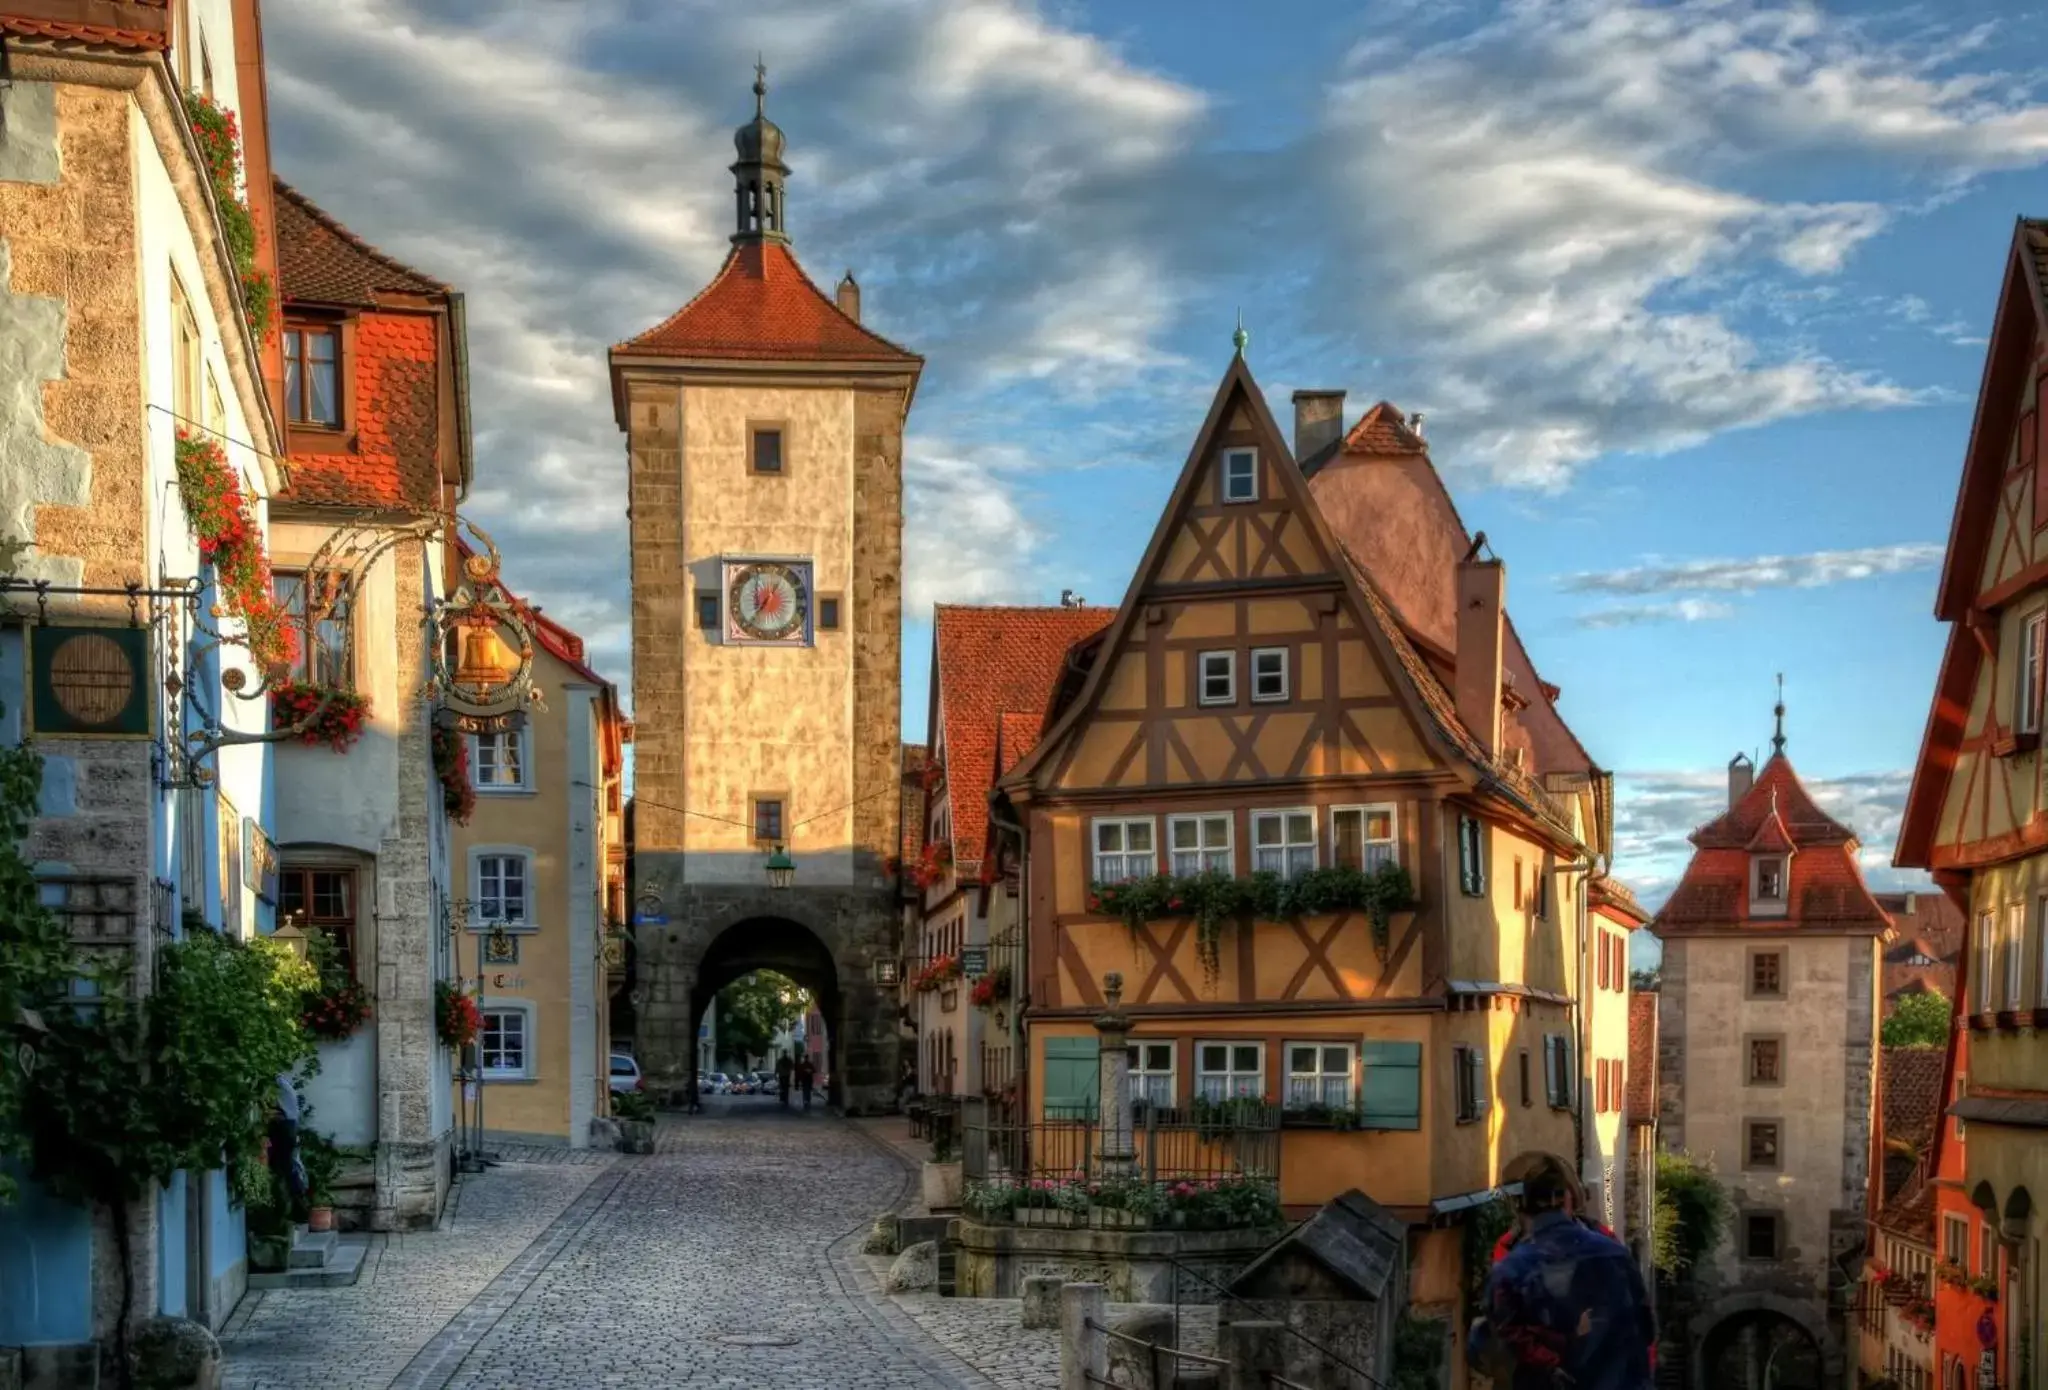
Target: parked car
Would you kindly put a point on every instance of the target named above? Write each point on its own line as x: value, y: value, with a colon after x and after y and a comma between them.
x: 742, y: 1085
x: 720, y: 1083
x: 625, y: 1074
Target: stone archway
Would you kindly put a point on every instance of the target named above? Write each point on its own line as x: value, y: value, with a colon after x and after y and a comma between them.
x: 1761, y: 1341
x: 692, y: 939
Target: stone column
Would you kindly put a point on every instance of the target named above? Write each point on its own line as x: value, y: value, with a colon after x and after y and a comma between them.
x: 1113, y: 1104
x: 1083, y: 1351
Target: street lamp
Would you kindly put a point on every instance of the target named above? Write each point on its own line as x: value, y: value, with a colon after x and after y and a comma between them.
x: 292, y: 934
x: 781, y: 869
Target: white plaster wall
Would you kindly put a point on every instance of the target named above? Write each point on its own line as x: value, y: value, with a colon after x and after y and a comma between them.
x: 213, y: 26
x: 344, y: 1091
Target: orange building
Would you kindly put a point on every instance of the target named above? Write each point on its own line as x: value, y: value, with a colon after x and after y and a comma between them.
x: 1970, y: 1318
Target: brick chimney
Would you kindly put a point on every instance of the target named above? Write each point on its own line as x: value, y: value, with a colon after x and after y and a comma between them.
x: 1482, y: 594
x: 848, y: 297
x: 1318, y: 419
x: 1741, y: 776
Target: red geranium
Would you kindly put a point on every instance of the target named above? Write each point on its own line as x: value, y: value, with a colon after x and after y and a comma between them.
x: 457, y: 1020
x: 320, y: 713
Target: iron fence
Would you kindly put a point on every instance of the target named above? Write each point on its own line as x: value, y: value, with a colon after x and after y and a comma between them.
x: 1166, y: 1145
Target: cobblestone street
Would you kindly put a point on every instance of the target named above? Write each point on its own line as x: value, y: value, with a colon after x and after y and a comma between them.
x: 728, y: 1258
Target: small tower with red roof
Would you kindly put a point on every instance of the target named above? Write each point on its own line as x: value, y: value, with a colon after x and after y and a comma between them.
x: 1767, y: 1037
x: 764, y: 435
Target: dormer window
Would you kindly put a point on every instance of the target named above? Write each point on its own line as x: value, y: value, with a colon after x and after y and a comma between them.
x: 1767, y: 879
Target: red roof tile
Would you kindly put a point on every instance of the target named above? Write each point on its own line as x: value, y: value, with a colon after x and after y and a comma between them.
x: 761, y: 306
x: 1912, y: 1093
x: 1825, y: 890
x: 1642, y: 1058
x: 319, y: 261
x: 1017, y: 735
x: 1383, y: 430
x: 1619, y: 901
x: 92, y: 35
x: 994, y: 669
x: 1911, y: 1213
x: 1771, y: 835
x: 1932, y: 927
x: 394, y: 462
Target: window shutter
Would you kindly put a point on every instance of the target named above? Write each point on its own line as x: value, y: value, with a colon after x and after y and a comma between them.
x: 1564, y: 1070
x: 1391, y: 1097
x: 1550, y: 1068
x: 1482, y: 1088
x: 1073, y: 1077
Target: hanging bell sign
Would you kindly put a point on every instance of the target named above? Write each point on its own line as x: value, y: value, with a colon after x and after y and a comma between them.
x: 483, y: 644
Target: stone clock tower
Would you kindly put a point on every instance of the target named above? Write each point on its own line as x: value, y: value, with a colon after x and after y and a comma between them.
x: 764, y: 429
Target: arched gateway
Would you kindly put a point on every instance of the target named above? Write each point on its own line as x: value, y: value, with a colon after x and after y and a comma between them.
x: 764, y: 432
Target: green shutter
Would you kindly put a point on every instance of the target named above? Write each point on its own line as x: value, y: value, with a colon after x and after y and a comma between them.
x: 1392, y: 1094
x: 1073, y: 1077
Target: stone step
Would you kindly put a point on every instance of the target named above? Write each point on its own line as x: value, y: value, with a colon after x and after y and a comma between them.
x: 310, y: 1249
x: 343, y: 1267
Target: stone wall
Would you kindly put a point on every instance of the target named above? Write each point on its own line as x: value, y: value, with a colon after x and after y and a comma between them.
x: 994, y: 1260
x: 661, y: 612
x: 876, y: 596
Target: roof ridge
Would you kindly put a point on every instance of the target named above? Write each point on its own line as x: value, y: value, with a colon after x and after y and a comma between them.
x: 340, y: 229
x: 764, y: 255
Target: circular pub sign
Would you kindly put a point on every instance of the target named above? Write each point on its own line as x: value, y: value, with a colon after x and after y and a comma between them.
x: 91, y: 681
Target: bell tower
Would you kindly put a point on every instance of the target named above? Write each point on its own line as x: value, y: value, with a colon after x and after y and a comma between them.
x: 764, y: 435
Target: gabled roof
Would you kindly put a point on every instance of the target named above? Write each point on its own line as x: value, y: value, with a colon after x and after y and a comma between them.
x: 1642, y: 1058
x: 1912, y: 1094
x: 319, y: 261
x: 762, y: 307
x: 1824, y: 892
x: 1930, y: 925
x: 993, y: 670
x: 1911, y: 1213
x: 1384, y: 430
x: 1618, y: 901
x: 133, y: 25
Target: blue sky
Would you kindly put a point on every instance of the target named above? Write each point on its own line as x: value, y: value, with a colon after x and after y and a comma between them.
x: 1693, y: 295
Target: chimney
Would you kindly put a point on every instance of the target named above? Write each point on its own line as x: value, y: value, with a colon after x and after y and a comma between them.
x: 1912, y: 906
x: 1482, y: 592
x: 1318, y: 419
x: 1741, y: 775
x: 848, y: 297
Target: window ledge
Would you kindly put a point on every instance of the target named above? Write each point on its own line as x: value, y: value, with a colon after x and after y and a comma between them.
x: 501, y: 790
x: 2012, y: 743
x: 492, y: 1079
x: 509, y: 928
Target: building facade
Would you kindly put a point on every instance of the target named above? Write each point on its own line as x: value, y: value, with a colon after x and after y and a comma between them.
x: 764, y: 430
x: 1975, y: 816
x: 539, y: 878
x: 1767, y: 1055
x: 130, y: 335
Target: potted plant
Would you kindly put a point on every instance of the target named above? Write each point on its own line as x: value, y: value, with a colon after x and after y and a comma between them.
x: 942, y: 1177
x: 267, y: 1217
x: 322, y: 1162
x: 633, y: 1112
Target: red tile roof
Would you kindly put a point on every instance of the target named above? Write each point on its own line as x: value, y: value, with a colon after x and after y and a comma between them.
x: 394, y: 463
x: 1825, y: 891
x: 1771, y: 835
x: 1642, y: 1058
x: 761, y: 306
x: 126, y: 24
x: 1383, y: 430
x: 1619, y: 901
x: 319, y: 261
x: 1017, y: 735
x: 1911, y: 1212
x: 1912, y: 1094
x: 1930, y: 925
x: 994, y: 670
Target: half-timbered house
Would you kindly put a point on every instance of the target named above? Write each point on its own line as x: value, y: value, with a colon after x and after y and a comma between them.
x: 1324, y: 876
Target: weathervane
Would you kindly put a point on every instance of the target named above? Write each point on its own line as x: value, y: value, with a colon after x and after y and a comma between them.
x: 1240, y: 338
x: 1778, y: 738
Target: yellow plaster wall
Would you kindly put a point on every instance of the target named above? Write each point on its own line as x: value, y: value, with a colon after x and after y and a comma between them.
x: 2005, y: 1058
x: 1493, y: 939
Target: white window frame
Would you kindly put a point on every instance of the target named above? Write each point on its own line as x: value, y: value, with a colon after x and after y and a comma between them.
x: 2015, y: 976
x: 478, y: 921
x: 1271, y: 697
x: 1144, y: 1077
x: 1096, y: 854
x: 1471, y: 1075
x: 1231, y: 457
x: 1207, y: 857
x: 1202, y: 695
x: 1318, y: 1078
x: 1757, y: 897
x: 1982, y: 953
x: 1955, y: 1239
x: 521, y: 743
x: 1234, y: 1077
x: 524, y: 1009
x: 2027, y: 699
x: 1289, y: 866
x: 1365, y: 811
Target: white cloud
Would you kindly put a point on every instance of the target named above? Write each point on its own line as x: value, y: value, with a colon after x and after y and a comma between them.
x: 965, y: 538
x: 1684, y: 610
x: 1809, y: 571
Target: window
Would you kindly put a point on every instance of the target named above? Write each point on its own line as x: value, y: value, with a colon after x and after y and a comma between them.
x: 1539, y: 890
x: 1124, y: 850
x: 497, y: 762
x: 185, y: 356
x: 1769, y: 886
x: 1284, y: 842
x: 2015, y: 938
x: 506, y: 1042
x: 1319, y: 1074
x: 1470, y: 1082
x: 1269, y: 673
x: 1557, y: 1070
x: 1955, y: 1240
x: 1987, y: 1249
x: 501, y: 892
x: 327, y: 897
x: 312, y: 378
x: 1240, y: 475
x: 1522, y: 1071
x: 764, y: 449
x: 1766, y: 1058
x: 1228, y: 1069
x: 321, y: 611
x: 1152, y: 1072
x: 1766, y: 974
x: 707, y: 611
x: 1980, y: 966
x: 1760, y: 1144
x: 1390, y: 1091
x: 1217, y: 673
x: 2027, y: 705
x: 1760, y: 1231
x: 828, y: 612
x: 1200, y: 844
x: 767, y: 818
x: 1471, y: 857
x: 1362, y: 837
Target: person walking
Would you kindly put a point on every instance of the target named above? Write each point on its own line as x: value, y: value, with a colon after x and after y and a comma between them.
x: 1565, y: 1305
x: 284, y: 1144
x: 806, y: 1077
x: 783, y: 1068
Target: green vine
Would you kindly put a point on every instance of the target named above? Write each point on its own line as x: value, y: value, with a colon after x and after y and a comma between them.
x: 1484, y: 1226
x: 36, y: 957
x: 1214, y: 898
x: 220, y: 143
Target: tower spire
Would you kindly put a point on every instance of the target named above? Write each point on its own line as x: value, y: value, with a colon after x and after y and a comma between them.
x: 1778, y: 738
x: 1239, y: 339
x: 759, y: 172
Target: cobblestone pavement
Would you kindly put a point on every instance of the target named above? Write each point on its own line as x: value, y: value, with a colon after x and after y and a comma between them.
x: 725, y: 1259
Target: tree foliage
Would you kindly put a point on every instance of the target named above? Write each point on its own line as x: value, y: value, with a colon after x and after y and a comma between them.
x: 1918, y: 1020
x: 1691, y: 1212
x: 36, y: 962
x: 754, y: 1008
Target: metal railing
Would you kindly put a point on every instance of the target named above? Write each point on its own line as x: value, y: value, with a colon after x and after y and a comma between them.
x: 1165, y: 1146
x: 1222, y: 1293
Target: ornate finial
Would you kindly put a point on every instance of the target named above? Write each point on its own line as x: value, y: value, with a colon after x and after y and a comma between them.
x: 760, y: 87
x: 1240, y: 338
x: 1778, y: 738
x: 1113, y: 988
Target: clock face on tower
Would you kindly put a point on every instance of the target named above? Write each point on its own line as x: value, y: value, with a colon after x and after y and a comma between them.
x: 768, y: 601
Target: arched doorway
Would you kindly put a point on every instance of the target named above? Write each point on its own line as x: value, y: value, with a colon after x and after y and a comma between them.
x: 1761, y: 1349
x: 788, y: 949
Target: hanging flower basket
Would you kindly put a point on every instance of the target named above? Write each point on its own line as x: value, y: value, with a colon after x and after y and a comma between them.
x: 224, y: 522
x: 333, y: 1013
x: 220, y: 145
x: 932, y: 865
x: 457, y: 1020
x: 451, y: 768
x: 322, y: 713
x: 991, y: 989
x: 939, y: 973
